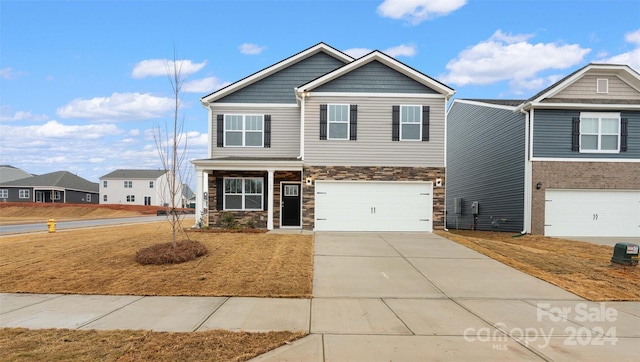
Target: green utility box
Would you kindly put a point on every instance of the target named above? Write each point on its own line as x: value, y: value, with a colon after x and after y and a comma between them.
x: 625, y: 254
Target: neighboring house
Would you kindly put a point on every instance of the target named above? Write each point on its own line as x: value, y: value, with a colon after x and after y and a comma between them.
x: 60, y: 186
x: 565, y: 162
x: 322, y: 141
x: 137, y: 187
x: 10, y: 173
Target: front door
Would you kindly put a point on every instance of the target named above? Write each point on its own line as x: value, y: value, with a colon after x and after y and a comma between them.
x: 147, y: 200
x: 290, y: 210
x: 39, y: 196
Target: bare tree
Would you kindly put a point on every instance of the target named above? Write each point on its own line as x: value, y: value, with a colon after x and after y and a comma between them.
x: 171, y: 144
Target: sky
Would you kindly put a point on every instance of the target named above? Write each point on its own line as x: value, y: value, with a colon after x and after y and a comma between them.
x: 83, y: 84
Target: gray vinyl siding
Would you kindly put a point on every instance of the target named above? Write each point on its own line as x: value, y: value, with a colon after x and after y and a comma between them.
x: 585, y: 87
x: 14, y: 194
x: 375, y: 77
x: 485, y: 163
x: 374, y: 146
x: 278, y: 87
x: 552, y: 135
x: 285, y: 132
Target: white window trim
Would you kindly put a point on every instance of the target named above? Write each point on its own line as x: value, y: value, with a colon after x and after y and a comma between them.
x: 599, y: 116
x: 606, y: 86
x: 56, y: 195
x: 105, y: 198
x: 24, y: 194
x: 419, y: 123
x: 131, y: 198
x: 348, y: 121
x: 88, y: 197
x: 4, y: 193
x: 243, y: 194
x: 104, y: 184
x: 128, y: 184
x: 244, y: 130
x: 151, y: 184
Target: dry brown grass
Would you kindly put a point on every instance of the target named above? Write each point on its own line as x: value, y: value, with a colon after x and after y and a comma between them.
x: 72, y: 345
x: 579, y: 267
x: 102, y: 261
x: 21, y: 213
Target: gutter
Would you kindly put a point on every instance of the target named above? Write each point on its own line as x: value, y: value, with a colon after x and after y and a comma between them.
x: 527, y: 173
x: 300, y: 98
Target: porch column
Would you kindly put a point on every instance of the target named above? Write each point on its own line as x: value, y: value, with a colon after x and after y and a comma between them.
x: 270, y: 199
x: 201, y: 202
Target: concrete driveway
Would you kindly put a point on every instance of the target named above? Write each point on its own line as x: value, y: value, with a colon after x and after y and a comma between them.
x: 418, y: 296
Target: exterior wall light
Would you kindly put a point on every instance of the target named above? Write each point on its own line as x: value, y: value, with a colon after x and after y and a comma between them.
x: 538, y: 185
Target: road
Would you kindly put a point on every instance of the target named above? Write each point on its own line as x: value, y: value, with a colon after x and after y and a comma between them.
x: 78, y: 224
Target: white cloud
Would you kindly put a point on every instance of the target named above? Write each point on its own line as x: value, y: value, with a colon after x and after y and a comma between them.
x: 251, y: 49
x: 7, y: 116
x: 117, y: 107
x: 208, y: 84
x: 630, y: 58
x: 162, y: 67
x: 513, y: 58
x: 406, y: 50
x: 54, y: 129
x: 9, y: 73
x: 416, y: 11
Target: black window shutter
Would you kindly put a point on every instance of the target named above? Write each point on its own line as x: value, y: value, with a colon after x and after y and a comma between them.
x: 220, y: 130
x: 395, y: 123
x: 575, y: 134
x: 267, y: 130
x: 265, y: 194
x: 219, y: 193
x: 323, y: 121
x: 624, y: 134
x: 353, y: 123
x: 425, y: 123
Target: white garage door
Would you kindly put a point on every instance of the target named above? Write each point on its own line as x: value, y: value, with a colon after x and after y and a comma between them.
x: 592, y: 213
x: 373, y: 206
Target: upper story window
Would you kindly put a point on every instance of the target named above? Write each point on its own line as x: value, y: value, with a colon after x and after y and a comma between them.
x: 243, y: 193
x: 4, y: 194
x: 599, y: 132
x: 150, y: 184
x: 104, y: 184
x: 243, y: 130
x: 338, y: 121
x: 602, y: 85
x: 24, y: 193
x: 128, y: 184
x: 410, y: 123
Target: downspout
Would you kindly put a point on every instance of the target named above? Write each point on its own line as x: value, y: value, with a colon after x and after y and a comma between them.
x: 446, y: 99
x: 300, y: 98
x: 527, y: 174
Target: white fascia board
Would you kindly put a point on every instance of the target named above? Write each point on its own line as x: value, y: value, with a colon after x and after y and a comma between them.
x: 254, y: 105
x: 386, y: 60
x: 605, y: 160
x: 599, y: 106
x: 374, y: 95
x: 274, y: 69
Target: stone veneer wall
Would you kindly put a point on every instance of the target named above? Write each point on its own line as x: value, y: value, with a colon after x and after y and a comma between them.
x: 578, y: 175
x: 259, y: 218
x: 373, y: 173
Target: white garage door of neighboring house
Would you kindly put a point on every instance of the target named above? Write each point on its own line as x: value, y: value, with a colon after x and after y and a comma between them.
x: 373, y: 206
x: 592, y: 213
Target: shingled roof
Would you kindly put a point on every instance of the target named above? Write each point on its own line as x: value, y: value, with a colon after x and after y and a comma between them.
x: 60, y: 179
x: 134, y: 174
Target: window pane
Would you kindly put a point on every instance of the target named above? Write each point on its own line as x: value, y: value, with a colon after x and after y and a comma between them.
x: 338, y: 113
x: 609, y: 143
x: 253, y: 202
x: 410, y: 114
x: 609, y: 125
x: 233, y: 186
x: 253, y: 186
x: 233, y: 123
x: 233, y: 202
x: 589, y: 125
x: 253, y: 139
x: 253, y: 123
x: 588, y: 142
x: 410, y: 131
x: 338, y: 130
x: 234, y: 139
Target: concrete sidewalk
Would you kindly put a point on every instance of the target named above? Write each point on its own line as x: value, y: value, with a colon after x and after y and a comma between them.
x: 379, y: 297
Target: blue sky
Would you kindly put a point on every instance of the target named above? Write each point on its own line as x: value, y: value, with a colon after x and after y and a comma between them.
x: 82, y: 84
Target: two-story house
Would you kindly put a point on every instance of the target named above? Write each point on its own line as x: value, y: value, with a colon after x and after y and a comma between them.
x: 323, y: 141
x: 137, y: 187
x: 565, y: 162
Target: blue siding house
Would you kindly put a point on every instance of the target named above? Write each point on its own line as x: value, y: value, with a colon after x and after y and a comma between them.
x: 565, y: 162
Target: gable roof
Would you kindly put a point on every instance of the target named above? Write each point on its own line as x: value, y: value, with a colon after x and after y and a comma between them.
x: 320, y: 47
x: 623, y: 71
x: 11, y: 173
x: 134, y: 174
x: 58, y: 179
x: 386, y: 60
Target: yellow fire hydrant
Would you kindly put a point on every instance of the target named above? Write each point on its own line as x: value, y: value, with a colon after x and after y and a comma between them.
x: 51, y: 225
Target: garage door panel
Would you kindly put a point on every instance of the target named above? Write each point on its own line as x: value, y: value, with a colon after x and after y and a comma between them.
x: 373, y: 206
x: 592, y: 213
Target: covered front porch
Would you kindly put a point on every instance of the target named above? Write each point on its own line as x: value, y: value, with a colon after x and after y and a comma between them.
x: 254, y: 192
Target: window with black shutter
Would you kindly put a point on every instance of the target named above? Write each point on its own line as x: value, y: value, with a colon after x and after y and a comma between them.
x: 624, y: 134
x: 267, y: 130
x: 220, y: 130
x: 425, y: 123
x: 353, y: 122
x: 395, y: 123
x: 323, y: 121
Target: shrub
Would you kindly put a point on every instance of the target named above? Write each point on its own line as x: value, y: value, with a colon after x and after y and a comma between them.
x: 165, y: 253
x: 229, y: 221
